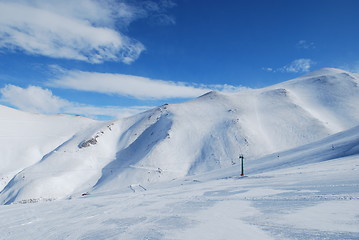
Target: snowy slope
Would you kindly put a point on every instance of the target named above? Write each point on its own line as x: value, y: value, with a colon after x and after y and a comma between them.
x: 26, y: 138
x: 317, y: 200
x: 205, y: 134
x: 342, y: 145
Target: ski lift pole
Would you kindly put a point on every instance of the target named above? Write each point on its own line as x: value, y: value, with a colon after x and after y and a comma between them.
x: 242, y: 164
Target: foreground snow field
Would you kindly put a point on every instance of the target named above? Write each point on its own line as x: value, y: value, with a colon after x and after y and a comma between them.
x: 173, y: 172
x: 314, y: 201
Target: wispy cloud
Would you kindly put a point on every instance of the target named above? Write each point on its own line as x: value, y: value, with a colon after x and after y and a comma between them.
x: 132, y: 86
x: 298, y: 66
x: 39, y: 100
x: 33, y: 99
x: 268, y: 69
x: 301, y: 65
x: 225, y: 88
x: 157, y: 11
x: 303, y: 44
x: 81, y: 30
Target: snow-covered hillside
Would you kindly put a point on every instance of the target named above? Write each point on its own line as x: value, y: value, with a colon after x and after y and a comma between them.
x: 63, y: 156
x: 305, y: 199
x: 26, y: 138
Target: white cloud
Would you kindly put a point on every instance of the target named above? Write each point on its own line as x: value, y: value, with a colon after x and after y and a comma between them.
x: 33, y: 99
x: 158, y: 12
x: 225, y: 88
x: 38, y: 100
x: 301, y: 65
x: 298, y: 66
x: 126, y: 85
x: 132, y: 86
x: 268, y: 69
x: 303, y: 44
x: 81, y: 30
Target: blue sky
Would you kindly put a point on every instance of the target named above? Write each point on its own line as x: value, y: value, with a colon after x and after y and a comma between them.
x: 113, y: 58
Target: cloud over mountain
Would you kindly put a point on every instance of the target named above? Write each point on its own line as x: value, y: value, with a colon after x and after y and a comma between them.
x: 130, y: 85
x: 40, y: 100
x: 298, y: 66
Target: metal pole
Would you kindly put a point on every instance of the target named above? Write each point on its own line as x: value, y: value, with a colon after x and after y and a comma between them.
x: 242, y: 164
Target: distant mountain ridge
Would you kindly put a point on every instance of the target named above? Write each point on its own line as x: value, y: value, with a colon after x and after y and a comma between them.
x: 175, y: 140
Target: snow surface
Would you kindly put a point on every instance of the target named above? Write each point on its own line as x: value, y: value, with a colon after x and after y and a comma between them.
x: 311, y: 201
x: 26, y: 138
x: 173, y: 172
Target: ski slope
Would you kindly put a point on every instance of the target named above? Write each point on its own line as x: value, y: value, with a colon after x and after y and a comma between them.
x: 74, y: 155
x: 318, y: 199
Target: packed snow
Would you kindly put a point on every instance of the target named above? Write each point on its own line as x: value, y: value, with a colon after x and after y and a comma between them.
x: 174, y: 173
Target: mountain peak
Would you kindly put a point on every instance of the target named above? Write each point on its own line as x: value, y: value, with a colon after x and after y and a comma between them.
x: 322, y: 76
x: 326, y: 72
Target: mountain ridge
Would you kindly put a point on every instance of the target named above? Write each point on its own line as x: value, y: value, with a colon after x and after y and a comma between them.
x: 204, y: 134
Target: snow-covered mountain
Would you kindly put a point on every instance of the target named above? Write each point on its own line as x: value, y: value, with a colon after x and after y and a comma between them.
x: 52, y: 157
x: 26, y: 138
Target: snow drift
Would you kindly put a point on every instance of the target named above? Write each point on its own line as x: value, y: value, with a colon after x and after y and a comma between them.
x: 72, y: 155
